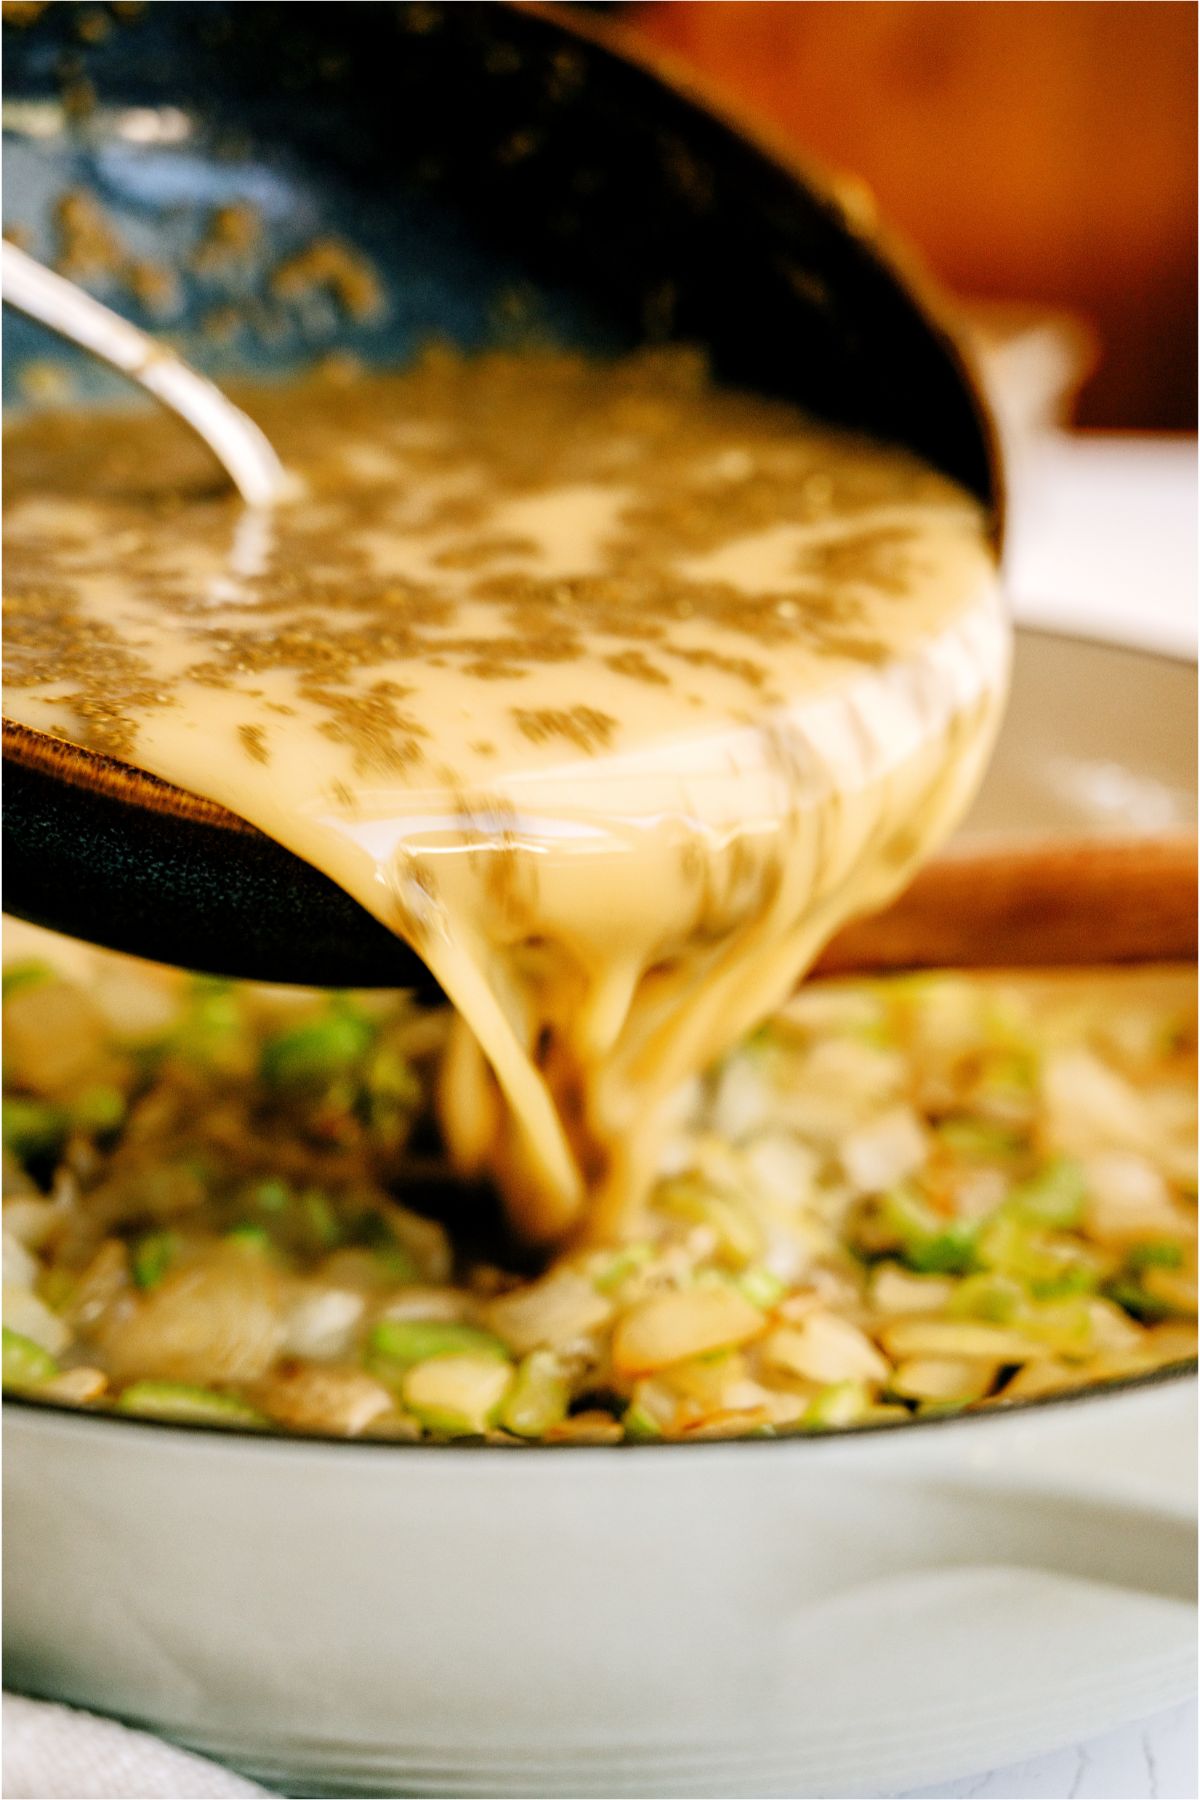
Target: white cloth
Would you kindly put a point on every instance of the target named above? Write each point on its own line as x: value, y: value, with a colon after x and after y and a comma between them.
x: 55, y: 1753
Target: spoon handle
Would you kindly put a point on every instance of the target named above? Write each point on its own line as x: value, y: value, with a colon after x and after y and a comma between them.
x: 234, y: 439
x: 1097, y: 900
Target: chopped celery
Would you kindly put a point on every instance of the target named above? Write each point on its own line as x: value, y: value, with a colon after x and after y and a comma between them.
x: 987, y: 1295
x: 977, y: 1138
x: 538, y: 1398
x: 1053, y: 1197
x: 98, y: 1109
x: 33, y: 1127
x: 313, y: 1054
x: 29, y: 973
x: 320, y: 1218
x: 392, y: 1079
x: 1159, y: 1253
x: 151, y: 1256
x: 621, y: 1265
x: 949, y: 1252
x: 248, y: 1236
x: 1077, y: 1280
x: 1011, y: 1244
x: 26, y: 1364
x: 739, y: 1239
x: 399, y: 1344
x: 761, y: 1287
x: 212, y: 1025
x: 1127, y: 1292
x: 457, y: 1395
x: 271, y: 1196
x: 927, y: 1241
x: 840, y: 1403
x: 640, y: 1426
x: 179, y: 1400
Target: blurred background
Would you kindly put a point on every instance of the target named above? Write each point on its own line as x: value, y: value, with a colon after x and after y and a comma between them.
x: 1040, y: 153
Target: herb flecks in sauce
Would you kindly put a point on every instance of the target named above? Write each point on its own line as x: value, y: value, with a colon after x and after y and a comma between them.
x: 613, y: 693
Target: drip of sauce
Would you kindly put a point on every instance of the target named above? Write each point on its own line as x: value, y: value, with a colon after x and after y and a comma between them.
x: 613, y: 693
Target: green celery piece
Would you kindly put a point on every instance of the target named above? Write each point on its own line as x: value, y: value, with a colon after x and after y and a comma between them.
x: 640, y: 1427
x: 978, y: 1138
x: 33, y: 1127
x: 315, y: 1053
x: 1018, y: 1248
x: 951, y: 1252
x: 31, y: 972
x: 321, y: 1218
x: 840, y: 1403
x: 151, y: 1256
x: 1159, y: 1253
x: 99, y: 1109
x: 26, y: 1364
x: 179, y: 1400
x: 538, y: 1398
x: 928, y: 1243
x: 1074, y: 1281
x: 1054, y: 1197
x: 1147, y: 1309
x: 761, y: 1287
x: 987, y: 1295
x: 248, y: 1236
x: 391, y: 1077
x: 623, y: 1263
x: 272, y: 1195
x: 399, y: 1344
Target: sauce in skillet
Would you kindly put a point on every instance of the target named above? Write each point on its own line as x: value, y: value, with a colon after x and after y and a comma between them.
x: 613, y: 693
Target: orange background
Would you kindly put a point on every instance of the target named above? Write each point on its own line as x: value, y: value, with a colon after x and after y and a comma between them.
x: 1035, y: 150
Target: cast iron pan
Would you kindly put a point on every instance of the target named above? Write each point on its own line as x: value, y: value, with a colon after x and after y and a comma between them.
x: 507, y: 172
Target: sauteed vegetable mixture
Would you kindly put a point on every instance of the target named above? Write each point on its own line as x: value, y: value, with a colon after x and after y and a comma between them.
x: 227, y: 1203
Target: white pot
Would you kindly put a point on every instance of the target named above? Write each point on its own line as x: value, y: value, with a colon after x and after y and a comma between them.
x: 807, y: 1617
x: 817, y: 1616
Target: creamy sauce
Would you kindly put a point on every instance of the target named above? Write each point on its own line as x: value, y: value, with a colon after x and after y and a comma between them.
x: 615, y: 695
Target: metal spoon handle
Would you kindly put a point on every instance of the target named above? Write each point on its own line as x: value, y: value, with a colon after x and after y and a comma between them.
x: 234, y: 439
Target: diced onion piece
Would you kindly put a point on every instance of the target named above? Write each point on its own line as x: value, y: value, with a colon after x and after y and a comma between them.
x: 904, y: 1338
x: 321, y: 1324
x: 32, y: 1318
x: 316, y: 1399
x: 825, y: 1348
x: 74, y: 1387
x: 555, y: 1311
x: 1038, y: 1378
x: 214, y: 1322
x: 888, y: 1150
x: 895, y: 1290
x: 667, y: 1328
x: 943, y: 1378
x: 1128, y: 1200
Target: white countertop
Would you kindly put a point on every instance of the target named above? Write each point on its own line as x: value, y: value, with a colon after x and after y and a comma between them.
x: 1155, y: 1760
x: 1102, y: 537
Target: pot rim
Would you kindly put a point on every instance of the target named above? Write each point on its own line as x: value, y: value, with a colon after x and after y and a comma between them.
x: 1089, y: 1392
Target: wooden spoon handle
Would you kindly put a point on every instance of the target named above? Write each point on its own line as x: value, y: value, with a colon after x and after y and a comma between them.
x: 1088, y: 901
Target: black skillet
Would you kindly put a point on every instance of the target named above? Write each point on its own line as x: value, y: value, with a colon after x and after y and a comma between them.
x: 503, y: 168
